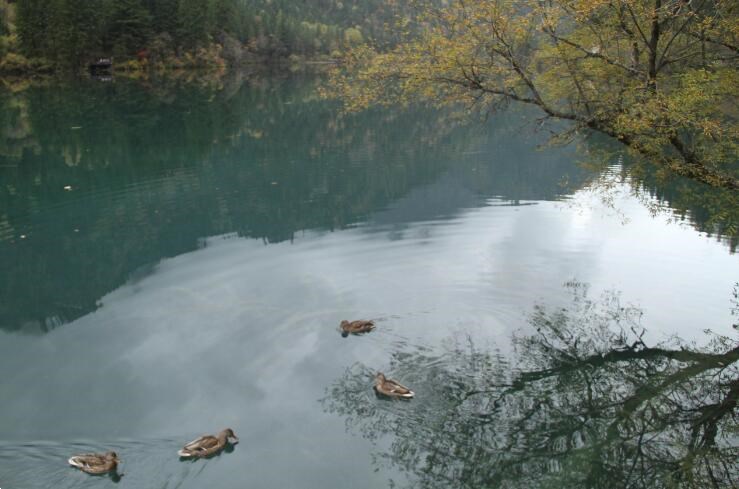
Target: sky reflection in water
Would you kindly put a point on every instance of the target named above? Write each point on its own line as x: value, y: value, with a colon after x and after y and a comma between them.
x: 206, y: 292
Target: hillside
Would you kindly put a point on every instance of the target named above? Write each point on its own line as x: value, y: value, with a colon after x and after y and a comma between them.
x: 66, y: 34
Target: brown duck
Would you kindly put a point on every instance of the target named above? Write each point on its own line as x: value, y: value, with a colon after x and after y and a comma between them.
x: 208, y: 445
x: 96, y: 463
x: 356, y: 327
x: 391, y: 388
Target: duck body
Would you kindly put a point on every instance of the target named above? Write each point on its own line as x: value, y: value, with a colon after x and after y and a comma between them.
x: 356, y: 327
x: 95, y: 463
x: 208, y: 445
x: 390, y: 388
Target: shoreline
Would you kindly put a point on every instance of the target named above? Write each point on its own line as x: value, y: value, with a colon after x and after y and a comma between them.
x: 17, y: 67
x: 203, y: 75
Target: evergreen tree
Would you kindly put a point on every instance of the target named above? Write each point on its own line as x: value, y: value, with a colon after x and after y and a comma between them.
x: 129, y: 26
x: 164, y: 15
x: 3, y: 18
x: 224, y: 15
x: 192, y: 17
x: 32, y: 24
x: 74, y: 31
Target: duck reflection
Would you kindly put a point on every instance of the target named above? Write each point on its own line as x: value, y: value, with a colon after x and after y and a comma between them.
x: 584, y: 402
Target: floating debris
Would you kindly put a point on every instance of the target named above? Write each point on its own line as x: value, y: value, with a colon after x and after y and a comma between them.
x: 23, y: 236
x: 76, y: 128
x: 67, y: 187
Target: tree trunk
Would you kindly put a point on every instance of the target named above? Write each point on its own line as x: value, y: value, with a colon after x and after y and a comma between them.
x: 653, y: 44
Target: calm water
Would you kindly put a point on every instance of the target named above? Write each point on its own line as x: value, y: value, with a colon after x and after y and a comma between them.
x: 176, y: 259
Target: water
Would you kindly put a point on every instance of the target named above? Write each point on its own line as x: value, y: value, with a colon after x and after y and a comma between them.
x: 176, y: 258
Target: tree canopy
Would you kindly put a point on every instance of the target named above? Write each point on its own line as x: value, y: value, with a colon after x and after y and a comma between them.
x: 658, y: 75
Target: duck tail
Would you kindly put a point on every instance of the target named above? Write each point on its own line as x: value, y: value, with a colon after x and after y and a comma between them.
x: 409, y: 395
x: 74, y: 462
x: 184, y: 453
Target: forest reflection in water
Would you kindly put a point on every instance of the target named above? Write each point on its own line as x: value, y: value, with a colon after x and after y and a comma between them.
x: 124, y: 174
x: 583, y: 402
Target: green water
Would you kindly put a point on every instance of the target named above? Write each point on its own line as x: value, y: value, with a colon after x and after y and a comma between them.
x: 175, y: 259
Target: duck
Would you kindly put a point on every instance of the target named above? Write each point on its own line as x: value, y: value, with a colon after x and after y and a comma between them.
x: 360, y: 326
x: 391, y: 388
x: 96, y: 463
x: 208, y: 445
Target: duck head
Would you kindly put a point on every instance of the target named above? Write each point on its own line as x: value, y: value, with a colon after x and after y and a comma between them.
x: 112, y: 458
x: 229, y: 435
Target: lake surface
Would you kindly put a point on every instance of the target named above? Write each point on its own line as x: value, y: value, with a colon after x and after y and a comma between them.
x: 176, y: 258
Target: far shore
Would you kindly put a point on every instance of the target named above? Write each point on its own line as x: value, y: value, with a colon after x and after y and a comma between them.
x: 35, y: 68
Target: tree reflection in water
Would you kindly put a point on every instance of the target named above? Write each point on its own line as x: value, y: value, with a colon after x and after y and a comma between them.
x: 585, y: 402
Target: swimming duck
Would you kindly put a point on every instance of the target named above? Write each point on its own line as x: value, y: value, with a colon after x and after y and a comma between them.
x: 356, y: 327
x: 96, y: 463
x: 391, y: 388
x: 208, y: 445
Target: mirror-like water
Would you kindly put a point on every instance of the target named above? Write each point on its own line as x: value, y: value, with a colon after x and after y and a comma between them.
x: 176, y: 259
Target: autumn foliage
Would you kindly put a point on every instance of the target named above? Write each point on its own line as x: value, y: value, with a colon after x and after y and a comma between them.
x: 658, y: 75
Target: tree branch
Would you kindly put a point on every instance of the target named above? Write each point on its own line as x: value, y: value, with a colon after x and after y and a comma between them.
x: 592, y: 54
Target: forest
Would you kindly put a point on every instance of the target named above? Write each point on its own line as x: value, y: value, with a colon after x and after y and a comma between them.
x: 65, y: 35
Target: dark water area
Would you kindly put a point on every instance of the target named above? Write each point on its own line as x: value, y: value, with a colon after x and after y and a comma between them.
x: 175, y: 259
